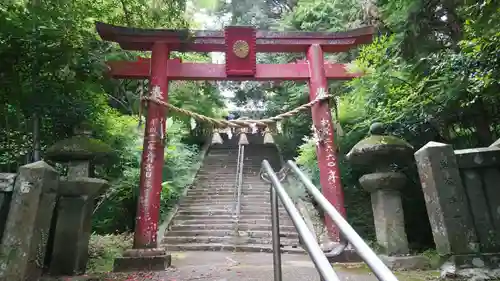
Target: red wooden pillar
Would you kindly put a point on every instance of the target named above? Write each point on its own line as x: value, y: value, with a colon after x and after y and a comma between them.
x: 148, y: 207
x: 326, y: 149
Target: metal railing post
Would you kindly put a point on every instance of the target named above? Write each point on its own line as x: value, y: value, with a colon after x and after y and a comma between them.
x: 240, y: 182
x: 235, y: 193
x: 322, y: 264
x: 275, y: 226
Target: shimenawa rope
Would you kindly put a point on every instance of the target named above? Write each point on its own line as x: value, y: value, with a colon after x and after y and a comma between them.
x: 221, y: 123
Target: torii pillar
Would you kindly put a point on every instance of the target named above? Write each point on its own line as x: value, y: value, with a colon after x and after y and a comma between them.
x: 240, y: 44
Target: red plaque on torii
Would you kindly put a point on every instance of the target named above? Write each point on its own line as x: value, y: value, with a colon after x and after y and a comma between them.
x: 241, y: 45
x: 241, y: 56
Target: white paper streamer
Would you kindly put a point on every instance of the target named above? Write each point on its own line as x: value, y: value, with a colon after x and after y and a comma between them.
x: 279, y: 127
x: 193, y: 123
x: 254, y: 128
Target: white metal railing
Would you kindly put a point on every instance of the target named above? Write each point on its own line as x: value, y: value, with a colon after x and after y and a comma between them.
x: 312, y: 247
x: 238, y: 185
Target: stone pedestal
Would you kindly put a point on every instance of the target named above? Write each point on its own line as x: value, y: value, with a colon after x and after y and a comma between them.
x: 383, y: 156
x: 26, y: 231
x: 73, y: 226
x: 156, y: 259
x: 387, y: 210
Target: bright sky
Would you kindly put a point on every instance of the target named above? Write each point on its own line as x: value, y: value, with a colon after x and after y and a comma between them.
x: 210, y: 22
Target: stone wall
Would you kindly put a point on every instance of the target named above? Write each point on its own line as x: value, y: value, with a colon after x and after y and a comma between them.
x: 463, y: 202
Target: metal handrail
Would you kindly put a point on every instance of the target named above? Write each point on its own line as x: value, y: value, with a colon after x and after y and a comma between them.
x: 324, y: 268
x: 236, y: 180
x: 312, y: 247
x: 238, y: 184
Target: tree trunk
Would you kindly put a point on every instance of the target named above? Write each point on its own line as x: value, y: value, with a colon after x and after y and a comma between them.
x: 482, y: 124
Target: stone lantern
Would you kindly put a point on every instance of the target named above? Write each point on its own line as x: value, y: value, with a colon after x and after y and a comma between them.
x: 382, y: 155
x: 77, y: 193
x: 79, y: 152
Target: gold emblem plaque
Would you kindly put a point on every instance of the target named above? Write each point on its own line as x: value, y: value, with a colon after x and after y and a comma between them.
x: 241, y: 49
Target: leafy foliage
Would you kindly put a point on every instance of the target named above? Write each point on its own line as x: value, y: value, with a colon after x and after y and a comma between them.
x: 431, y: 73
x: 54, y: 73
x: 116, y: 213
x: 103, y: 249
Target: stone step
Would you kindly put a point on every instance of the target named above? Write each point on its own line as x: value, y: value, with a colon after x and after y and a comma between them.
x: 216, y: 163
x: 221, y: 169
x: 220, y: 174
x: 179, y: 226
x: 208, y: 197
x: 202, y: 193
x: 247, y: 218
x: 224, y: 240
x: 230, y: 175
x: 266, y: 209
x: 244, y: 205
x: 232, y: 182
x: 224, y: 165
x: 226, y: 190
x: 228, y: 233
x: 220, y: 157
x: 228, y: 210
x: 231, y: 248
x: 214, y: 188
x: 206, y: 206
x: 260, y: 218
x: 205, y: 184
x: 246, y: 189
x: 206, y: 212
x: 264, y: 214
x: 226, y: 219
x: 223, y: 154
x: 223, y: 160
x: 228, y: 198
x: 226, y: 175
x: 206, y: 222
x: 244, y: 202
x: 219, y: 204
x: 222, y: 198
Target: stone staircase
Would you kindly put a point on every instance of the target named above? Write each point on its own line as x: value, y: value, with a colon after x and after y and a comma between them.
x: 205, y: 218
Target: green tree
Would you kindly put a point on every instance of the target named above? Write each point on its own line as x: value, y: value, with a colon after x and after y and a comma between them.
x: 54, y: 68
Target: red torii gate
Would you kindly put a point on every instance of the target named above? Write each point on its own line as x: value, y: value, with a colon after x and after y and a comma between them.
x: 240, y: 45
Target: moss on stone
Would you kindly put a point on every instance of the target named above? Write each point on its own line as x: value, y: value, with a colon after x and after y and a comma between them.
x: 387, y: 140
x: 378, y: 145
x: 418, y: 275
x: 357, y: 268
x: 78, y: 148
x: 407, y: 275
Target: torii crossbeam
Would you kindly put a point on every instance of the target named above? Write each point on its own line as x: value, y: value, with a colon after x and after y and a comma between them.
x: 240, y: 45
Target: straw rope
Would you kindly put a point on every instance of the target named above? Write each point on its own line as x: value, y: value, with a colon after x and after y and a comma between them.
x: 221, y: 123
